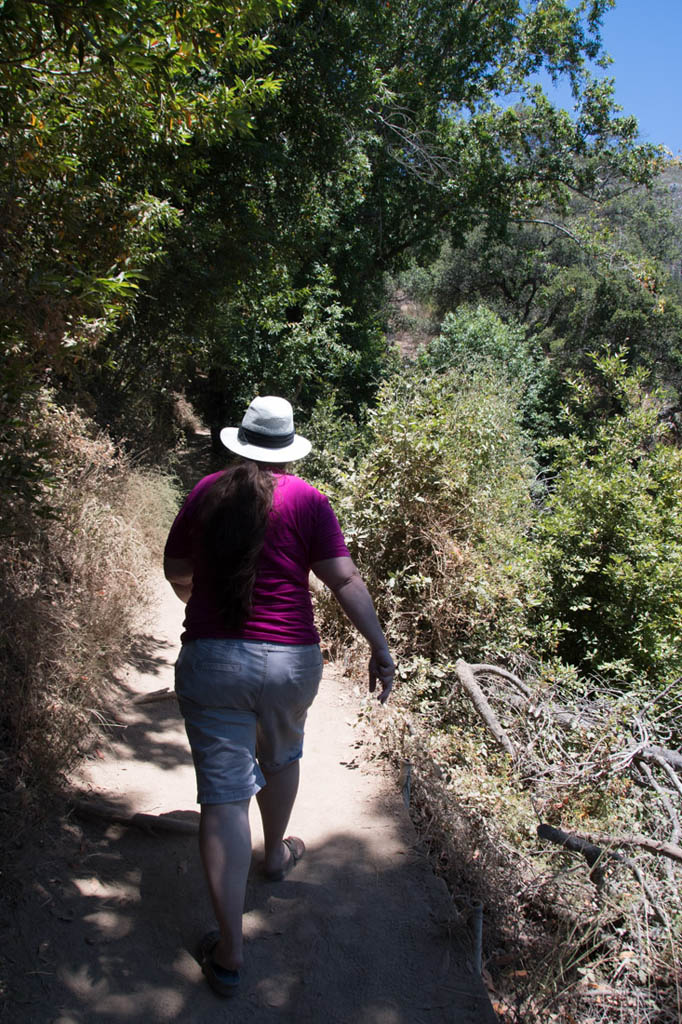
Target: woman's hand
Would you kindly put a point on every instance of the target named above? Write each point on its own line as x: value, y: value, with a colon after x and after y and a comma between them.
x: 346, y: 584
x: 382, y: 668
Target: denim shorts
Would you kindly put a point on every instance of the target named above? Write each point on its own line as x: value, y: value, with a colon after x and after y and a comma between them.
x: 245, y: 704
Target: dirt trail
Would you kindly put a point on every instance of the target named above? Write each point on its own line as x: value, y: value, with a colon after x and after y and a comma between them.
x: 357, y: 934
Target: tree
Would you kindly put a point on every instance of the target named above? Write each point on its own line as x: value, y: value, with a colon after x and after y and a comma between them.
x: 182, y: 158
x: 598, y: 274
x: 98, y: 100
x: 609, y: 535
x: 384, y: 135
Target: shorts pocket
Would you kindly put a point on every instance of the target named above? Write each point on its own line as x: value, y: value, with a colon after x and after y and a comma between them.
x: 213, y: 681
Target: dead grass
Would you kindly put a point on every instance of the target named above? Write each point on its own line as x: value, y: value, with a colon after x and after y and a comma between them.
x: 76, y: 577
x: 185, y: 415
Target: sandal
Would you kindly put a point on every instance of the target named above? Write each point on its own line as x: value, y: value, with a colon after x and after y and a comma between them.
x: 223, y: 981
x: 296, y: 848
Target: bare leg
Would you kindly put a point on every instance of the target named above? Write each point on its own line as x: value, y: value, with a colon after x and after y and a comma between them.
x: 275, y: 802
x: 225, y: 846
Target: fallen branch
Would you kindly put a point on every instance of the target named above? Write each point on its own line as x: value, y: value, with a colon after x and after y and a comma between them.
x: 595, y: 855
x: 149, y: 698
x: 592, y: 854
x: 672, y: 757
x: 494, y: 670
x: 670, y: 773
x: 468, y: 682
x: 572, y: 719
x: 670, y: 850
x: 565, y: 719
x: 147, y: 822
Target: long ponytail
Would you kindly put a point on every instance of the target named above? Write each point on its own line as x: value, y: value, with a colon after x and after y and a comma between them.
x: 233, y: 520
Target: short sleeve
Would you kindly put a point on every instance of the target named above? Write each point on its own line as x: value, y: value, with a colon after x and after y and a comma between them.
x: 327, y: 540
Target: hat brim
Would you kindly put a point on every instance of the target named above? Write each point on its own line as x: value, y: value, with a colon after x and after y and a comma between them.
x: 298, y: 449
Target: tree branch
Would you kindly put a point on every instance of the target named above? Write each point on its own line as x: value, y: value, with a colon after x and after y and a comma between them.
x: 594, y: 855
x: 468, y: 683
x: 552, y: 224
x: 494, y: 670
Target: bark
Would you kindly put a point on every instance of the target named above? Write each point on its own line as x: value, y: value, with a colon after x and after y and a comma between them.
x: 670, y: 850
x: 672, y: 757
x: 494, y: 670
x: 592, y: 853
x: 468, y: 682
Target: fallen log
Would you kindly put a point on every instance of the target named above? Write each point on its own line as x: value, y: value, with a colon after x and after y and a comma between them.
x: 147, y: 822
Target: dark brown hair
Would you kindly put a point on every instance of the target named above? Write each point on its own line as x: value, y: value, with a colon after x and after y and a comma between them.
x: 233, y: 520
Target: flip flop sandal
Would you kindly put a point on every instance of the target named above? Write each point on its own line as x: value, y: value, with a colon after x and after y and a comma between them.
x: 223, y: 982
x: 296, y: 848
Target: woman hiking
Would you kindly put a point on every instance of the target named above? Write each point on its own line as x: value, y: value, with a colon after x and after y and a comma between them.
x: 239, y: 554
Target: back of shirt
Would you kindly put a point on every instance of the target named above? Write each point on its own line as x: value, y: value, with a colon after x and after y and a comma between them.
x: 302, y: 529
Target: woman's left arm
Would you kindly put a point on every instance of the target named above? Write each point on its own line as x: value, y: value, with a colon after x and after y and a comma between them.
x: 178, y: 572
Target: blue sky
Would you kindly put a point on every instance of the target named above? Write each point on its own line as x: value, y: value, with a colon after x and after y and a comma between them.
x: 644, y: 38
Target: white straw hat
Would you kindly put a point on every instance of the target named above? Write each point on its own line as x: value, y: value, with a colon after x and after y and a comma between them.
x: 267, y: 433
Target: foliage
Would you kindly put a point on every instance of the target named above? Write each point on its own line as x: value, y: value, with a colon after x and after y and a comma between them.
x: 291, y: 342
x: 586, y: 276
x: 94, y: 96
x: 338, y: 440
x: 98, y: 102
x: 435, y: 514
x: 610, y: 533
x: 475, y: 339
x: 380, y: 110
x: 167, y: 161
x: 76, y: 563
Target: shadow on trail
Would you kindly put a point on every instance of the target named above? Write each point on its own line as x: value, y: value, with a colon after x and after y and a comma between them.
x: 145, y: 657
x: 152, y: 733
x: 331, y: 943
x: 347, y: 938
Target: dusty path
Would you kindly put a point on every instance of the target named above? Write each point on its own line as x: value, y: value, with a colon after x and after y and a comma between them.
x: 357, y: 934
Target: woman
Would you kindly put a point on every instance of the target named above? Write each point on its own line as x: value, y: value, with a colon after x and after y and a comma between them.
x: 239, y: 554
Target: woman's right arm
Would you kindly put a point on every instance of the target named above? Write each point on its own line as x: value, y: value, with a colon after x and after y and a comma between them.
x: 347, y: 586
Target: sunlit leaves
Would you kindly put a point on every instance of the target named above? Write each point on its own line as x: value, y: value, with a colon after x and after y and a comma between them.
x: 610, y: 534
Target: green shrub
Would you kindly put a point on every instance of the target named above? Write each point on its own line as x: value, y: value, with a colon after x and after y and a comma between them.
x: 476, y: 339
x: 337, y: 441
x: 610, y: 536
x: 435, y: 514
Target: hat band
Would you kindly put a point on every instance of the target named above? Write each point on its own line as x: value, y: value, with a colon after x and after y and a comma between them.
x: 265, y: 440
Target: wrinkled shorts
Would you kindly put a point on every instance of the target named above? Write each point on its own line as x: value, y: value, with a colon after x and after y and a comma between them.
x: 245, y: 704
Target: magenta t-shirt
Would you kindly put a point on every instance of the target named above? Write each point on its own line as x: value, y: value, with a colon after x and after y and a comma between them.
x: 302, y: 529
